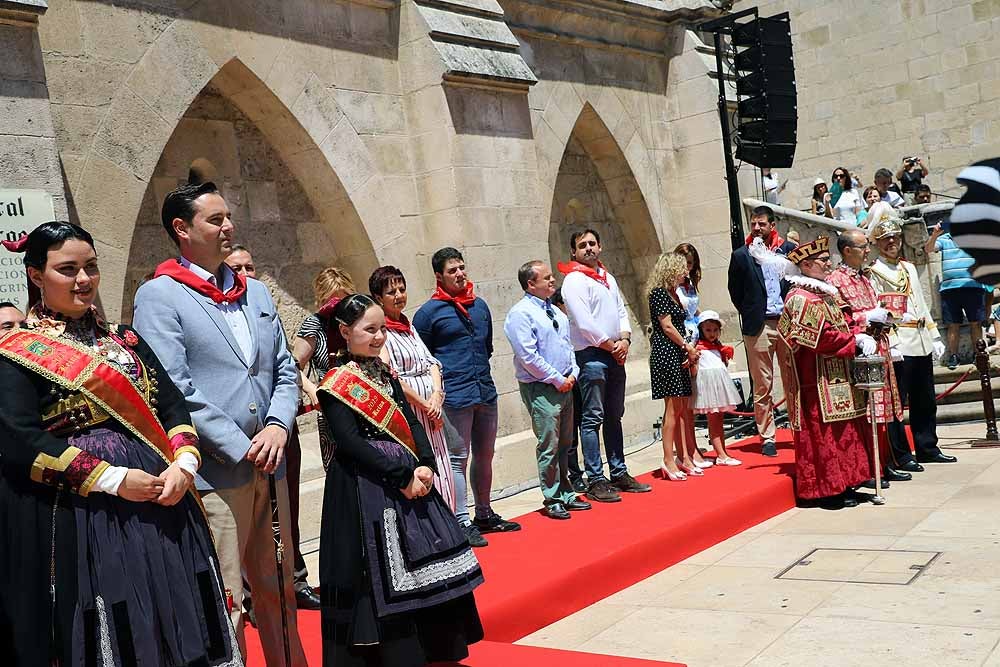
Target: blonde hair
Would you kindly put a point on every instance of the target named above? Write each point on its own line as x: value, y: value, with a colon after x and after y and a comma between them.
x: 329, y: 281
x: 669, y: 270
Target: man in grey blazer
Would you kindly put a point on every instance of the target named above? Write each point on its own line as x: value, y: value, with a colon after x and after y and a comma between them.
x: 219, y: 337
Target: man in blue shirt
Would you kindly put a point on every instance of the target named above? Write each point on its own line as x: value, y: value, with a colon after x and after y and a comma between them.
x: 457, y: 328
x: 962, y: 297
x: 545, y: 368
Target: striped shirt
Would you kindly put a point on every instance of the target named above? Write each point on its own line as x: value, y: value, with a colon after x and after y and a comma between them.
x: 956, y: 265
x: 312, y: 329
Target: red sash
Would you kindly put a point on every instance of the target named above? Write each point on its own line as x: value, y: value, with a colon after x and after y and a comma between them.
x: 76, y: 368
x: 356, y: 391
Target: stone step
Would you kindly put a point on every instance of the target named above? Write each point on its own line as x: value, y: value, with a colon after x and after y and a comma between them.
x: 959, y: 412
x: 942, y: 374
x: 969, y: 391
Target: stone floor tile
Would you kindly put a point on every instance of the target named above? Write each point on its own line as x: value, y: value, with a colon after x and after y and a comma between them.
x: 696, y: 638
x: 718, y: 551
x: 925, y: 602
x: 961, y: 558
x: 779, y: 550
x: 825, y: 642
x: 919, y: 494
x: 862, y: 520
x: 983, y: 522
x: 572, y: 631
x: 768, y: 524
x: 949, y: 473
x: 746, y: 589
x: 651, y: 590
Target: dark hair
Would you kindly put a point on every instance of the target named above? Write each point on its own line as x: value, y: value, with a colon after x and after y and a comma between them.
x: 883, y: 173
x: 442, y: 256
x: 48, y: 234
x: 923, y: 187
x: 8, y: 304
x: 577, y: 235
x: 847, y: 175
x: 179, y: 203
x: 864, y: 197
x: 763, y: 210
x: 351, y: 308
x: 816, y: 195
x: 239, y: 247
x: 381, y: 278
x: 527, y: 272
x: 690, y: 252
x: 557, y: 297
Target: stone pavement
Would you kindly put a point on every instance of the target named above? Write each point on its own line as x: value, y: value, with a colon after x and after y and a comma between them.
x: 726, y: 606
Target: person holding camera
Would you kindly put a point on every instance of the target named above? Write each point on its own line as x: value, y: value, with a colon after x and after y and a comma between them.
x: 910, y: 176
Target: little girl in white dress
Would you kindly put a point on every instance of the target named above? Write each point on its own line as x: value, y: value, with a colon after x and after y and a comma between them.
x: 713, y: 392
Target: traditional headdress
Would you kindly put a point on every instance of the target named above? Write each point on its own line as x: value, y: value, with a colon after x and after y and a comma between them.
x: 809, y: 250
x: 883, y: 221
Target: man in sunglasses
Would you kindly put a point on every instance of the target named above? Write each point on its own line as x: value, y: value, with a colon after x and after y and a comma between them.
x: 860, y: 303
x: 546, y: 371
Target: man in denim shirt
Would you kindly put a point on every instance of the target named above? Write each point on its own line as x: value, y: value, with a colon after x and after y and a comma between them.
x: 457, y: 328
x: 546, y: 371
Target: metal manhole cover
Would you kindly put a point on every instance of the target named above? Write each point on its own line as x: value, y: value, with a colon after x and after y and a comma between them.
x: 860, y: 566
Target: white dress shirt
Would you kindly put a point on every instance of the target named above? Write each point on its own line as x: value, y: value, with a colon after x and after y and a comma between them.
x: 231, y: 311
x: 597, y: 313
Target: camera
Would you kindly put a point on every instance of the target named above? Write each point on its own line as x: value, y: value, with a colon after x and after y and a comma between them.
x: 913, y: 159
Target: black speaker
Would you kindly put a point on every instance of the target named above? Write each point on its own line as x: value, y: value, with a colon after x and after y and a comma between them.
x: 767, y: 111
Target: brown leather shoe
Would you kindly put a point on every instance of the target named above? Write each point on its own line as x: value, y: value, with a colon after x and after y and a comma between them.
x: 628, y: 484
x: 602, y: 492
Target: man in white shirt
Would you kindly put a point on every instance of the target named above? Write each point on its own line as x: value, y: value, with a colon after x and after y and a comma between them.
x: 883, y: 179
x: 601, y: 336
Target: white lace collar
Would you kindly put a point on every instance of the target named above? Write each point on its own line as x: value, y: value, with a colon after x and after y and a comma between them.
x: 812, y: 284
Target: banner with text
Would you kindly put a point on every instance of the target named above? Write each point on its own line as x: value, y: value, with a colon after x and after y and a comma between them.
x: 20, y: 212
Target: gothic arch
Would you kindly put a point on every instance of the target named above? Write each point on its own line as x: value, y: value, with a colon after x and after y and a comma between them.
x: 594, y: 186
x: 298, y: 115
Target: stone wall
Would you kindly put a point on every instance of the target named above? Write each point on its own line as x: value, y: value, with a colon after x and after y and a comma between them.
x: 878, y: 81
x: 271, y: 213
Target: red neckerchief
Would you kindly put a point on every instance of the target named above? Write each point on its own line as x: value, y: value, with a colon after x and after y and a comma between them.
x: 185, y: 276
x: 773, y: 242
x: 402, y: 325
x: 725, y: 350
x: 464, y: 299
x: 574, y: 266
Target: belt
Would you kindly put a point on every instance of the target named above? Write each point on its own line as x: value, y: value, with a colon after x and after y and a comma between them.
x: 922, y: 323
x: 772, y: 318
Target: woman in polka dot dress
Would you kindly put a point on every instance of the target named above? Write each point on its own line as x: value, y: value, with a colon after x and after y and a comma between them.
x: 670, y: 361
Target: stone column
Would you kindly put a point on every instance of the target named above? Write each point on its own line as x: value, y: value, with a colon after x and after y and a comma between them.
x: 29, y: 157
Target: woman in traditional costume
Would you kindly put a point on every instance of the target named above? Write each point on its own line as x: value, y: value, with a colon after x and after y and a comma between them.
x: 396, y: 570
x: 107, y: 557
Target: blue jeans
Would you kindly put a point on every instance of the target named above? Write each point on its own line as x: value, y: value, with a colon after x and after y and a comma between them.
x: 602, y: 386
x: 471, y: 430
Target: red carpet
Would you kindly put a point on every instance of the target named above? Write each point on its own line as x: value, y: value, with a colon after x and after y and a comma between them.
x: 551, y: 569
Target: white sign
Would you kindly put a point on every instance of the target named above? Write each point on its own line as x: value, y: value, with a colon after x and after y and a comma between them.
x: 20, y: 212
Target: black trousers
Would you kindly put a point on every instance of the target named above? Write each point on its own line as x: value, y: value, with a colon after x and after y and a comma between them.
x: 915, y: 376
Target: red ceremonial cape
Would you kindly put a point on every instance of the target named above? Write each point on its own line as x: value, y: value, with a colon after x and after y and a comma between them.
x: 567, y: 268
x: 185, y: 276
x: 466, y: 298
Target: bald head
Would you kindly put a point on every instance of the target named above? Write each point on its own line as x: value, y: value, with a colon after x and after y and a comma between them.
x: 853, y: 247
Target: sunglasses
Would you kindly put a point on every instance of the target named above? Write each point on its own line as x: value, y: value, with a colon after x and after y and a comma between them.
x: 552, y: 318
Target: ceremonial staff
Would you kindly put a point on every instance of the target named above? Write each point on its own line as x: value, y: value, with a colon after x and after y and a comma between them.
x: 279, y: 558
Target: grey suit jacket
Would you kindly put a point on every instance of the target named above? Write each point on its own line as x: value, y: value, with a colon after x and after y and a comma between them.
x: 230, y: 399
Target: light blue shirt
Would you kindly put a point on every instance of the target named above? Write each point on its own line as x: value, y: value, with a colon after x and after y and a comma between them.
x: 956, y: 265
x: 772, y: 284
x: 231, y: 311
x: 542, y: 351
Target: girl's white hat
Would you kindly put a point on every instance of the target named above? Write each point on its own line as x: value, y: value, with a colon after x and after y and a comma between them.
x: 709, y: 315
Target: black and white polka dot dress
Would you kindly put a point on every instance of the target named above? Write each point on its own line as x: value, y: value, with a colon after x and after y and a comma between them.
x: 667, y: 375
